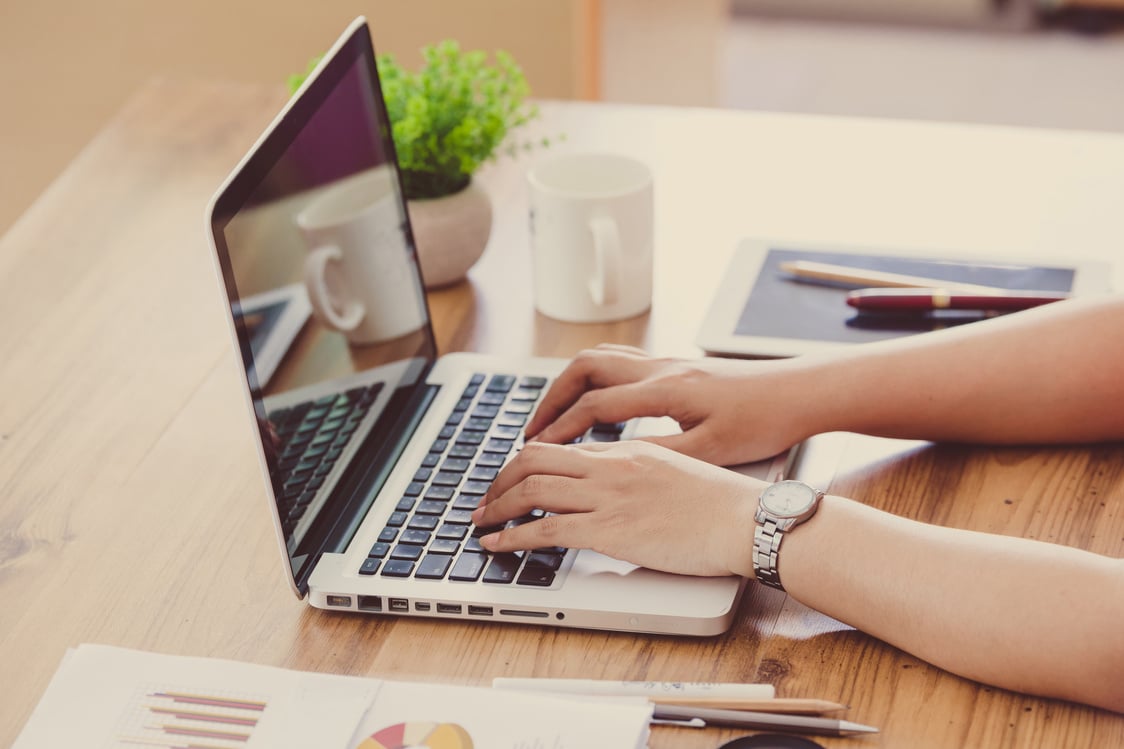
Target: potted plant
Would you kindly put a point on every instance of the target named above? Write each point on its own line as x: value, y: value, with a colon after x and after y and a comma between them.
x: 447, y: 119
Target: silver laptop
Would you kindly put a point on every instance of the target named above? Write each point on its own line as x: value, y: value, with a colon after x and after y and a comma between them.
x: 375, y: 450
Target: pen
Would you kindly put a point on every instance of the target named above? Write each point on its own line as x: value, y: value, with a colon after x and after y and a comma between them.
x: 928, y: 299
x: 650, y: 689
x: 690, y: 716
x: 787, y: 705
x: 837, y: 275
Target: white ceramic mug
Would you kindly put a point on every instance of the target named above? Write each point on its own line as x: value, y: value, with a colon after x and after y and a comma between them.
x: 360, y: 277
x: 591, y: 237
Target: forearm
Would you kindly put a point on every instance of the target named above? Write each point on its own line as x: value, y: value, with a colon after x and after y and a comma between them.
x: 1053, y: 374
x: 1019, y: 614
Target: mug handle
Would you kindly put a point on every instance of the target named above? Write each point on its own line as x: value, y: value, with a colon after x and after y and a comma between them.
x: 604, y: 286
x: 321, y: 299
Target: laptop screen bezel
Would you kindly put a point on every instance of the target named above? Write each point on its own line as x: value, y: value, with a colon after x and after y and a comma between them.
x: 353, y: 47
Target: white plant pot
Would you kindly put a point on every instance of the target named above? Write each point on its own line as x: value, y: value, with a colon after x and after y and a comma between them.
x: 451, y: 233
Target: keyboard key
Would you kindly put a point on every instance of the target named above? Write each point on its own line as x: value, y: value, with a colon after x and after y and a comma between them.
x: 502, y: 568
x: 388, y: 535
x: 467, y: 502
x: 434, y: 566
x: 420, y: 538
x: 532, y: 382
x: 519, y: 407
x: 477, y: 379
x: 406, y: 504
x: 459, y: 517
x: 379, y: 550
x: 432, y: 507
x: 431, y: 460
x: 407, y: 551
x: 424, y: 522
x: 492, y: 460
x: 545, y: 559
x: 397, y: 568
x: 525, y: 394
x: 500, y: 383
x: 468, y: 567
x: 414, y: 489
x: 451, y: 531
x: 470, y: 438
x: 440, y: 493
x: 483, y: 473
x: 493, y: 399
x: 456, y: 465
x: 423, y: 474
x: 498, y: 446
x: 478, y: 425
x: 462, y: 451
x: 447, y: 478
x: 486, y: 412
x: 536, y: 575
x: 475, y: 487
x: 396, y: 519
x: 473, y: 545
x: 444, y: 546
x: 370, y: 566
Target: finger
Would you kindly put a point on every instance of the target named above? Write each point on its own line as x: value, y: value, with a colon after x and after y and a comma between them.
x: 567, y: 531
x: 538, y: 459
x: 606, y: 406
x: 538, y: 492
x: 591, y: 369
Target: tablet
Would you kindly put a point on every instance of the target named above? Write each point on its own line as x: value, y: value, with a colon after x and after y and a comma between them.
x: 762, y: 311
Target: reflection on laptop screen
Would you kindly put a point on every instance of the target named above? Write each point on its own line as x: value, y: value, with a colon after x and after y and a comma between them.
x: 327, y: 299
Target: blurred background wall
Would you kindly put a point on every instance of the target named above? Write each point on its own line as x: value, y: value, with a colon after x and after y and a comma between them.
x: 67, y: 66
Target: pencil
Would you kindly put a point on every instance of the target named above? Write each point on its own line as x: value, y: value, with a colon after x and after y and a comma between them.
x: 826, y: 273
x: 789, y: 706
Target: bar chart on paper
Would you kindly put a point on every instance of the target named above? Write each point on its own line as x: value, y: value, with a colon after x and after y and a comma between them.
x: 183, y: 718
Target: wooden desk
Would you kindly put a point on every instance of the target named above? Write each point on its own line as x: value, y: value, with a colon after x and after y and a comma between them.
x: 131, y: 507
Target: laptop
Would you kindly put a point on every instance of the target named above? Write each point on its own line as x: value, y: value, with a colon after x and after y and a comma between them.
x: 374, y: 449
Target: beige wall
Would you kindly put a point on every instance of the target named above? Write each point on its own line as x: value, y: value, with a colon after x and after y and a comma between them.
x: 67, y: 65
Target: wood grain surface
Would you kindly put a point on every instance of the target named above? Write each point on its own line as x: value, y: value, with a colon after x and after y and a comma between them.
x: 132, y: 511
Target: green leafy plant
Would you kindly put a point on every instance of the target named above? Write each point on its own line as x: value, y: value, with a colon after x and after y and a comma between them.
x: 456, y: 112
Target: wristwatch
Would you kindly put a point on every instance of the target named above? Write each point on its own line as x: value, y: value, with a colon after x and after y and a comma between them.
x: 780, y: 508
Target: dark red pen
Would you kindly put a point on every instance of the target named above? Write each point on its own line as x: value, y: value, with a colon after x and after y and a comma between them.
x: 925, y: 300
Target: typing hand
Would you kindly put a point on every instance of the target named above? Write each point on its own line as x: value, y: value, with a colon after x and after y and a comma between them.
x: 729, y: 412
x: 629, y: 500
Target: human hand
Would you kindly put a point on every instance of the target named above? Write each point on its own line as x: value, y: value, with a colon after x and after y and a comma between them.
x: 629, y: 500
x: 729, y: 411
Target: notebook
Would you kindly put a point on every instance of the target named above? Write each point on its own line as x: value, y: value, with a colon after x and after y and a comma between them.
x: 374, y: 449
x: 761, y: 310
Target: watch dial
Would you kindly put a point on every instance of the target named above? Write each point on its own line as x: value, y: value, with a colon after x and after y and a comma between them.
x: 788, y: 498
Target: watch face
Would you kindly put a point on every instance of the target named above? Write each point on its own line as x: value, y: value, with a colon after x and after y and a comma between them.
x: 788, y: 498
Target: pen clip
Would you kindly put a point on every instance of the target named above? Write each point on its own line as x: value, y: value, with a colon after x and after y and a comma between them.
x: 680, y: 722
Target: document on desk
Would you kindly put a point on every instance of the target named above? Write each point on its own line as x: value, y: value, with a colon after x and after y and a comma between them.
x: 114, y: 698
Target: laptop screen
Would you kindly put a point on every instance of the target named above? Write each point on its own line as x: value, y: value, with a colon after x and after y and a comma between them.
x: 327, y: 300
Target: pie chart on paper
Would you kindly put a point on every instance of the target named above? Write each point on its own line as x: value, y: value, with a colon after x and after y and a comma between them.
x: 420, y: 735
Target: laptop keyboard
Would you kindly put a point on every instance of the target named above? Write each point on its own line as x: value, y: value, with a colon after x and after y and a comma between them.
x: 311, y: 436
x: 430, y: 535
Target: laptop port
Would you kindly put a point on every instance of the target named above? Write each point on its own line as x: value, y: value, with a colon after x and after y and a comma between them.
x: 480, y: 610
x: 343, y: 602
x: 421, y: 606
x: 370, y: 603
x: 518, y: 612
x: 449, y: 608
x: 398, y: 604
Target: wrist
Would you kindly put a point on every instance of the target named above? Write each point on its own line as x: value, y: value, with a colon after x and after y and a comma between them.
x: 739, y: 557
